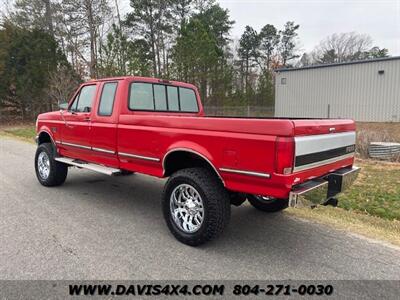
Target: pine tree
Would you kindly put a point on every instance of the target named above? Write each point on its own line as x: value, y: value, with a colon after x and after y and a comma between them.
x: 248, y: 53
x: 287, y: 46
x: 151, y: 19
x: 269, y: 41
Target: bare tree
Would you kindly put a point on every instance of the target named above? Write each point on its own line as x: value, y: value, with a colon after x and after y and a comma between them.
x: 39, y: 14
x: 341, y: 47
x: 305, y: 60
x: 61, y: 85
x: 84, y: 23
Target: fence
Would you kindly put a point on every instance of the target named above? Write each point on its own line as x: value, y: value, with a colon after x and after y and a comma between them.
x: 240, y: 111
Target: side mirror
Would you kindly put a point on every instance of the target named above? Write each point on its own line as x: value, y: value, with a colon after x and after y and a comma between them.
x: 63, y: 105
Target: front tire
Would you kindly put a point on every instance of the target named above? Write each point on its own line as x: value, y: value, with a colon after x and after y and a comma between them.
x: 196, y: 206
x: 267, y: 204
x: 49, y: 172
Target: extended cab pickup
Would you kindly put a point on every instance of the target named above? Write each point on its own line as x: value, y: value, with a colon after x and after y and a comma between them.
x: 118, y: 126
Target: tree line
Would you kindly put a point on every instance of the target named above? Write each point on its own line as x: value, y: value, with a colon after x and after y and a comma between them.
x: 48, y: 46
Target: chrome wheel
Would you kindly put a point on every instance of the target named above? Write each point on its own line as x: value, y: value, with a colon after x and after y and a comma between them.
x: 187, y: 208
x: 43, y: 164
x: 265, y: 199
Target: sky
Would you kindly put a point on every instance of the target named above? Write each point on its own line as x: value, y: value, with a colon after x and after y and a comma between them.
x: 318, y: 19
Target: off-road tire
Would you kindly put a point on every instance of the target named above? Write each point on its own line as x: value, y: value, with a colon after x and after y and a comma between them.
x: 274, y: 205
x: 215, y: 199
x: 58, y: 171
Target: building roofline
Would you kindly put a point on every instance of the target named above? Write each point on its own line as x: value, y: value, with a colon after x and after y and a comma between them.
x: 339, y: 64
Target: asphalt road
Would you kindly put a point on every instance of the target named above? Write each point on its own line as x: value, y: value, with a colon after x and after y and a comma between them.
x: 99, y: 227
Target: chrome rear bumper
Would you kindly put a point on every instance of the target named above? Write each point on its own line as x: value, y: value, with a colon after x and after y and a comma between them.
x: 318, y: 191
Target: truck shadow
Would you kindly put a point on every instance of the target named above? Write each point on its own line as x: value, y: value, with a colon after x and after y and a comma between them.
x: 140, y: 196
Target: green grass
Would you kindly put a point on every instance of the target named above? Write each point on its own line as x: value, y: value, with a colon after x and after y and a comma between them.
x: 376, y: 191
x: 27, y: 133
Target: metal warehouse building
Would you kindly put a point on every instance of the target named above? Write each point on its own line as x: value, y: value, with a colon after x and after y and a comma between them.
x: 366, y: 90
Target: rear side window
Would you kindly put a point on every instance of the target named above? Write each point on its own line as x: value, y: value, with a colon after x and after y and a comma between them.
x: 188, y: 100
x: 160, y: 97
x: 83, y: 102
x: 141, y: 96
x: 107, y: 99
x: 173, y: 98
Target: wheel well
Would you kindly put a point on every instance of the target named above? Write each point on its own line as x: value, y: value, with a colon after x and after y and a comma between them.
x: 182, y: 159
x: 44, y: 137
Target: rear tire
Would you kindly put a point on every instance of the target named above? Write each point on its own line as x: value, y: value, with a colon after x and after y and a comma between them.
x: 196, y: 206
x: 49, y: 171
x: 267, y: 204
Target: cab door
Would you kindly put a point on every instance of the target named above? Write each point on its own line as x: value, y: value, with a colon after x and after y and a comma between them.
x: 103, y: 134
x: 75, y: 131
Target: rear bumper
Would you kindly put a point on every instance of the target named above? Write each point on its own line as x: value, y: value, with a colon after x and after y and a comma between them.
x: 318, y: 191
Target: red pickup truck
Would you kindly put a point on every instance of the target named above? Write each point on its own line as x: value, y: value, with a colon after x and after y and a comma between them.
x: 122, y: 125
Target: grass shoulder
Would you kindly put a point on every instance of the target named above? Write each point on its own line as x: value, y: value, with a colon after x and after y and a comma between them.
x: 352, y: 221
x: 376, y: 191
x: 23, y: 132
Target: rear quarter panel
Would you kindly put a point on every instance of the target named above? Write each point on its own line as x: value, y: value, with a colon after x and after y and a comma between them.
x: 154, y: 136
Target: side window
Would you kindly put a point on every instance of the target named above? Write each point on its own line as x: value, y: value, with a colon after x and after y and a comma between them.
x: 173, y: 100
x: 188, y: 100
x: 107, y: 99
x: 141, y: 96
x: 160, y: 98
x: 85, y: 99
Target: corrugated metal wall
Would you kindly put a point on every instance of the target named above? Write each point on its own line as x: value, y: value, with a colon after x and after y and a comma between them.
x: 354, y: 91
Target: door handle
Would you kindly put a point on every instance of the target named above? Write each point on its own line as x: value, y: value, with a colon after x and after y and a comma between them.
x: 87, y: 119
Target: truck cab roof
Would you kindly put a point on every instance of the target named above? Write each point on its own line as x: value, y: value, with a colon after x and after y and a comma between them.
x: 145, y: 79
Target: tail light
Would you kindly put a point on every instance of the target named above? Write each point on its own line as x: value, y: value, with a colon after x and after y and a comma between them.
x: 284, y: 155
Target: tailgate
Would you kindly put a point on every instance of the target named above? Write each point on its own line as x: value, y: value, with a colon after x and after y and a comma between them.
x: 314, y: 127
x: 322, y: 142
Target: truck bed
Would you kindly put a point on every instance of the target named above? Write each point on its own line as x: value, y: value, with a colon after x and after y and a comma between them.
x: 265, y: 126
